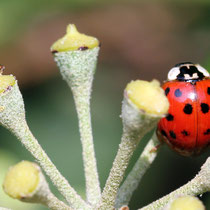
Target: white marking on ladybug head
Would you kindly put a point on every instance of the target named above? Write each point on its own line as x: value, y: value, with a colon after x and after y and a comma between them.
x: 202, y: 70
x: 194, y: 76
x: 187, y: 72
x: 173, y: 73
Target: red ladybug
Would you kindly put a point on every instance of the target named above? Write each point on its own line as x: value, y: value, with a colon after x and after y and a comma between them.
x: 186, y: 128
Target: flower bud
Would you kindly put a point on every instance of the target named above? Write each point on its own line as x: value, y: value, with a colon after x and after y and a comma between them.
x: 144, y: 104
x: 23, y: 180
x: 6, y: 82
x: 186, y: 203
x: 12, y: 111
x: 73, y: 40
x: 147, y: 96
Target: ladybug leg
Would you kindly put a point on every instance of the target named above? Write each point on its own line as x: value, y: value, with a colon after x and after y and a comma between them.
x: 161, y: 142
x: 155, y: 148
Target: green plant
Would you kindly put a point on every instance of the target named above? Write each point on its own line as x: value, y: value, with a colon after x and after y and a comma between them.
x: 76, y: 56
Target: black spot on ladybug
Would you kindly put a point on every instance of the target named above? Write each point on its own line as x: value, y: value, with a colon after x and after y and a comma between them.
x: 172, y: 134
x: 204, y: 108
x: 207, y: 132
x: 185, y: 133
x: 188, y: 109
x: 208, y: 90
x: 163, y: 133
x: 178, y: 93
x: 169, y: 117
x: 167, y: 90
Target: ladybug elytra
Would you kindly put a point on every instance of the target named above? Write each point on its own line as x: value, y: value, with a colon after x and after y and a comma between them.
x: 186, y: 128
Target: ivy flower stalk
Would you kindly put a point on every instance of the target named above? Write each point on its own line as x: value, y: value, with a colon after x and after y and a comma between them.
x: 25, y: 181
x: 76, y: 56
x: 134, y: 177
x: 197, y: 186
x: 12, y: 117
x: 139, y: 115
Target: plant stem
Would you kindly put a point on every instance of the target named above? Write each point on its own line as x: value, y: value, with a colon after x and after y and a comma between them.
x: 76, y: 56
x: 197, y: 186
x: 134, y: 177
x: 12, y: 117
x: 54, y: 203
x: 78, y: 68
x: 82, y: 102
x: 28, y: 140
x: 126, y: 148
x: 136, y: 123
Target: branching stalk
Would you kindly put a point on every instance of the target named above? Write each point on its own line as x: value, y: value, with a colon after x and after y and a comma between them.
x: 197, y: 186
x: 54, y: 203
x: 12, y: 116
x: 76, y: 56
x: 92, y: 180
x: 136, y: 123
x: 32, y: 145
x: 134, y: 177
x: 77, y: 68
x: 125, y: 152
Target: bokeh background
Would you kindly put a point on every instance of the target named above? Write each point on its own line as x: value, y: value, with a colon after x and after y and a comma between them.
x: 140, y: 40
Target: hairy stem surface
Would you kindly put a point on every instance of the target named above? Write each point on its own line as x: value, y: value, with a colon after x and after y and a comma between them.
x: 32, y: 145
x: 134, y: 177
x: 198, y: 185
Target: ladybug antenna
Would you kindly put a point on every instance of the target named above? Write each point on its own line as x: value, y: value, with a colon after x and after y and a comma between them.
x: 2, y: 68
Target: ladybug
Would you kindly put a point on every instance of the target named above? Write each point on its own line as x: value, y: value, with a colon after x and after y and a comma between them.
x: 186, y: 127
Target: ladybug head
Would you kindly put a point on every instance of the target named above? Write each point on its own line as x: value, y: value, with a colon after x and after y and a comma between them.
x: 187, y: 72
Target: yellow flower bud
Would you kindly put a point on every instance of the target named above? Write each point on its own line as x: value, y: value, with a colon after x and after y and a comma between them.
x: 187, y: 203
x: 25, y: 181
x: 22, y: 180
x: 148, y: 96
x: 6, y: 81
x: 73, y: 40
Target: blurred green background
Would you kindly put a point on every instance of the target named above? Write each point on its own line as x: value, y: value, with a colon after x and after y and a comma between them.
x: 140, y: 40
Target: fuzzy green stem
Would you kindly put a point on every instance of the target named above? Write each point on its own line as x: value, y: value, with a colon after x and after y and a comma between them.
x: 92, y: 181
x: 28, y: 140
x: 12, y: 116
x: 134, y: 177
x: 126, y: 148
x: 2, y: 208
x: 197, y: 186
x: 78, y: 68
x: 54, y: 203
x: 136, y: 124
